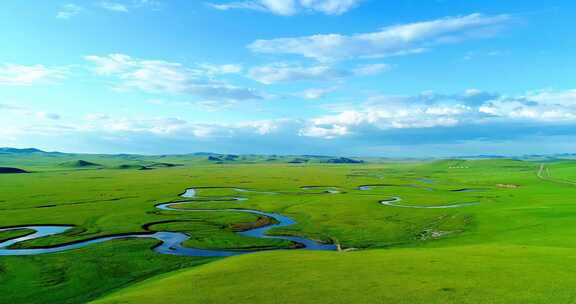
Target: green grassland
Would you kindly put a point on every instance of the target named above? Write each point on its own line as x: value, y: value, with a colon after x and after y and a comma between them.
x: 516, y: 245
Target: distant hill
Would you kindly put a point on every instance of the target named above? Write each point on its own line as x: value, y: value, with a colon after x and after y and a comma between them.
x: 222, y: 158
x: 298, y: 161
x: 33, y: 157
x: 79, y: 164
x: 343, y: 160
x: 147, y: 166
x: 159, y: 165
x: 130, y: 166
x: 9, y: 170
x: 205, y: 154
x: 20, y: 151
x: 162, y: 165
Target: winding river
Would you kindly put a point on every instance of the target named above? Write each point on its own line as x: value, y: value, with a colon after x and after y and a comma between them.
x: 393, y: 200
x: 171, y: 242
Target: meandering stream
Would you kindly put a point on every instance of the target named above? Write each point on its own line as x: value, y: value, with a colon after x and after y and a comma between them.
x: 171, y: 242
x: 393, y: 200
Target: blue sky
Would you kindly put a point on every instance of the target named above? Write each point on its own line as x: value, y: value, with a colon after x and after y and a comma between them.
x: 347, y: 77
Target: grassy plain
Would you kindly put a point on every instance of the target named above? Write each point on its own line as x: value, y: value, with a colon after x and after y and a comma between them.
x: 518, y: 244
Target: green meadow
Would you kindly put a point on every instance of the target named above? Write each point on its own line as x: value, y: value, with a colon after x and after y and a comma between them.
x: 513, y: 240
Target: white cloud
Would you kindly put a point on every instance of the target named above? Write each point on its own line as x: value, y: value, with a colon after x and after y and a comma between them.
x: 113, y: 6
x: 528, y: 110
x: 279, y: 72
x: 316, y: 93
x: 211, y: 105
x: 250, y: 5
x: 292, y: 7
x: 68, y: 11
x: 326, y: 131
x: 225, y: 92
x: 96, y: 116
x: 111, y: 64
x: 564, y: 98
x: 379, y: 121
x: 126, y: 6
x: 390, y: 41
x: 280, y: 7
x: 164, y: 77
x: 153, y: 4
x: 215, y: 69
x: 368, y: 119
x: 177, y: 127
x: 263, y: 127
x: 282, y: 72
x: 24, y: 75
x: 153, y: 76
x: 372, y: 69
x: 430, y: 110
x: 330, y: 7
x: 165, y: 125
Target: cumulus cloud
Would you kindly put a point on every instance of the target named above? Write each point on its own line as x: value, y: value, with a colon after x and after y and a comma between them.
x: 226, y: 92
x: 430, y: 110
x: 371, y: 69
x: 330, y: 7
x: 126, y: 6
x: 389, y: 41
x: 282, y: 72
x: 25, y: 75
x: 324, y: 131
x: 221, y: 69
x: 164, y: 77
x: 111, y: 64
x: 68, y: 11
x: 405, y: 122
x: 291, y: 7
x: 558, y: 98
x: 426, y: 113
x: 153, y: 76
x: 113, y: 6
x: 275, y: 73
x: 369, y: 120
x: 316, y: 93
x: 178, y: 128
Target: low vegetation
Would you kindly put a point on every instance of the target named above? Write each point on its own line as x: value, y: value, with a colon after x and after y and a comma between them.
x: 515, y: 244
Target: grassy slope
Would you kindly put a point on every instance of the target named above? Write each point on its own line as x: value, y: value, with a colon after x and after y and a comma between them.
x: 8, y: 235
x: 523, y: 231
x: 519, y: 247
x: 82, y: 275
x: 471, y: 274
